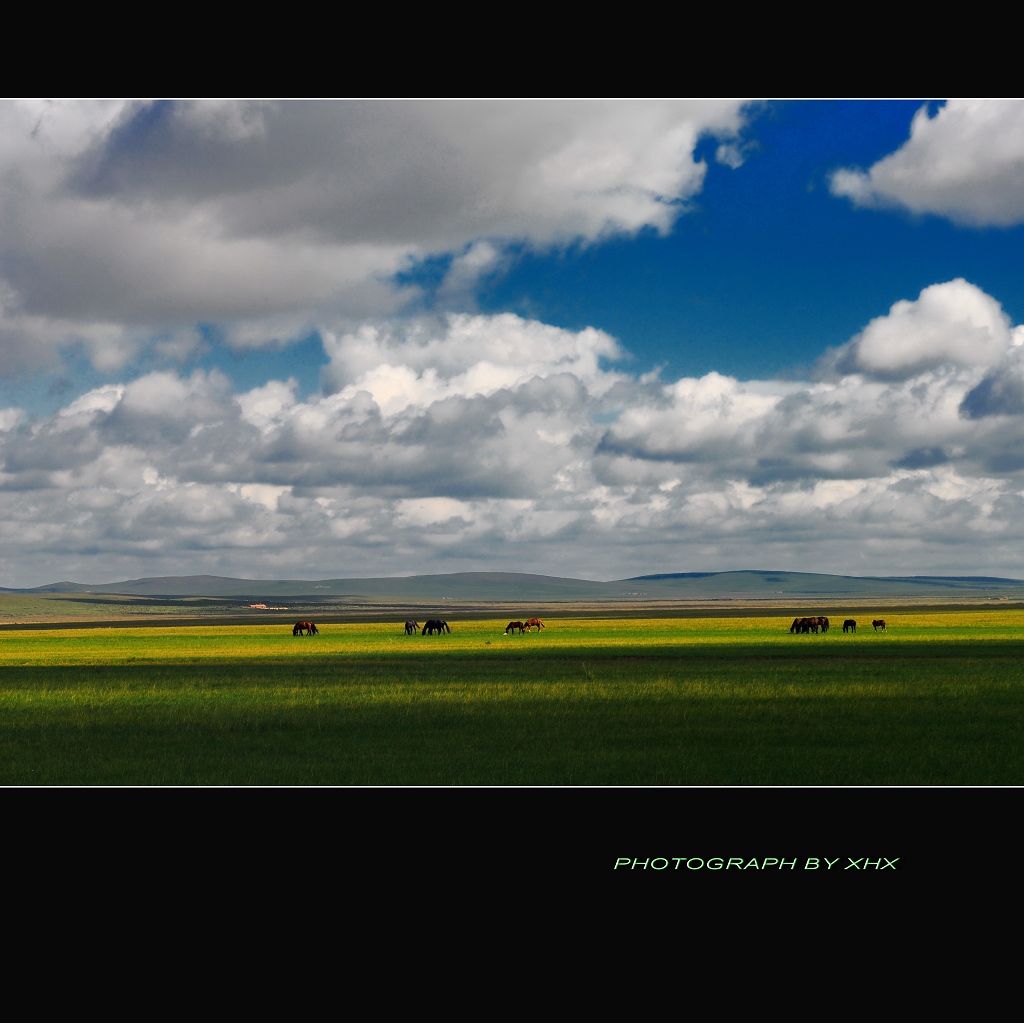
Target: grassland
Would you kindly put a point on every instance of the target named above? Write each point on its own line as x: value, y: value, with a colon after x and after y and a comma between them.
x: 938, y: 700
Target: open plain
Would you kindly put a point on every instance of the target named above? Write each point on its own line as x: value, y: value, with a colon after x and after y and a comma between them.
x: 701, y: 699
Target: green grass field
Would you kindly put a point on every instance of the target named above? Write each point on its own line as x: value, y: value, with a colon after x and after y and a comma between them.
x: 938, y: 700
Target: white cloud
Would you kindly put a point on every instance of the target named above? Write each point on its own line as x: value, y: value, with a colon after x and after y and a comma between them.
x: 167, y: 396
x: 954, y: 323
x: 966, y: 163
x: 123, y: 225
x: 102, y: 399
x: 260, y: 493
x: 492, y: 441
x: 464, y: 356
x: 266, y: 406
x: 480, y: 259
x: 10, y: 417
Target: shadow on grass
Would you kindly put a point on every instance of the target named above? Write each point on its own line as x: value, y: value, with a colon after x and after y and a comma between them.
x: 716, y: 720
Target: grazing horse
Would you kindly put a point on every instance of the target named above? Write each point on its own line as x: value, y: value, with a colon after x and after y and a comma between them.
x: 849, y: 625
x: 514, y: 627
x: 804, y: 625
x: 435, y: 625
x: 307, y: 628
x: 879, y: 623
x: 534, y: 622
x: 411, y: 627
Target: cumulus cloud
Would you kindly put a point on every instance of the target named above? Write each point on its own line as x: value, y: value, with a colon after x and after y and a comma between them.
x: 1001, y: 392
x: 432, y: 174
x: 125, y: 222
x: 480, y: 259
x: 470, y: 441
x: 102, y: 399
x: 954, y: 324
x: 10, y: 417
x: 469, y: 355
x: 965, y: 162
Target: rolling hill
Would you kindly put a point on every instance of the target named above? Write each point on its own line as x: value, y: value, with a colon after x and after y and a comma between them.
x: 477, y: 586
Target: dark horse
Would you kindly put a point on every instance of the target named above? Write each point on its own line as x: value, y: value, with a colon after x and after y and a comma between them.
x: 879, y: 623
x: 514, y: 627
x: 849, y: 625
x: 411, y: 627
x: 307, y: 628
x: 804, y: 625
x: 435, y: 625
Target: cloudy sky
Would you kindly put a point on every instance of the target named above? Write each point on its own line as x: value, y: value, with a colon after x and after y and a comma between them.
x: 598, y: 339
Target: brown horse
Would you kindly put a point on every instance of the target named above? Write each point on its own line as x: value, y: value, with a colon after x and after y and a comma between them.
x: 879, y: 623
x: 805, y: 625
x: 307, y: 628
x: 514, y: 627
x: 534, y: 622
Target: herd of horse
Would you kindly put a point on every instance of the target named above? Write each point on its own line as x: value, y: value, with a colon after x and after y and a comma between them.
x: 435, y: 625
x: 527, y: 626
x: 809, y: 625
x: 411, y: 628
x: 820, y: 624
x: 429, y: 628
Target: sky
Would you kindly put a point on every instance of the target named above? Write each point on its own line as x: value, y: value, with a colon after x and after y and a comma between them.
x: 585, y: 338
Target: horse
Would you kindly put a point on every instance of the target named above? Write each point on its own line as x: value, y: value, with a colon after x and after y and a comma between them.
x: 411, y: 627
x: 532, y: 622
x: 804, y: 625
x: 307, y: 628
x: 435, y: 625
x: 514, y: 627
x: 879, y: 623
x: 849, y: 625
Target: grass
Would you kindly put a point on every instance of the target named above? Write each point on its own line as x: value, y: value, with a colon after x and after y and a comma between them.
x: 938, y: 700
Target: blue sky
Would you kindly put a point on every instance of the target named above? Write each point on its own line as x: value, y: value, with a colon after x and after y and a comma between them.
x: 769, y: 268
x: 585, y: 338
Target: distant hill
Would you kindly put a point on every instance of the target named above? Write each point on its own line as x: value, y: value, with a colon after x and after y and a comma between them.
x: 769, y: 584
x: 500, y: 586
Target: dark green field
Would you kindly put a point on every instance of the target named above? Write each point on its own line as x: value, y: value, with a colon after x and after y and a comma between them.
x: 938, y: 700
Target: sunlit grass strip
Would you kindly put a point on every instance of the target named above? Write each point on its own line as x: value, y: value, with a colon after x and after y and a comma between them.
x: 240, y: 644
